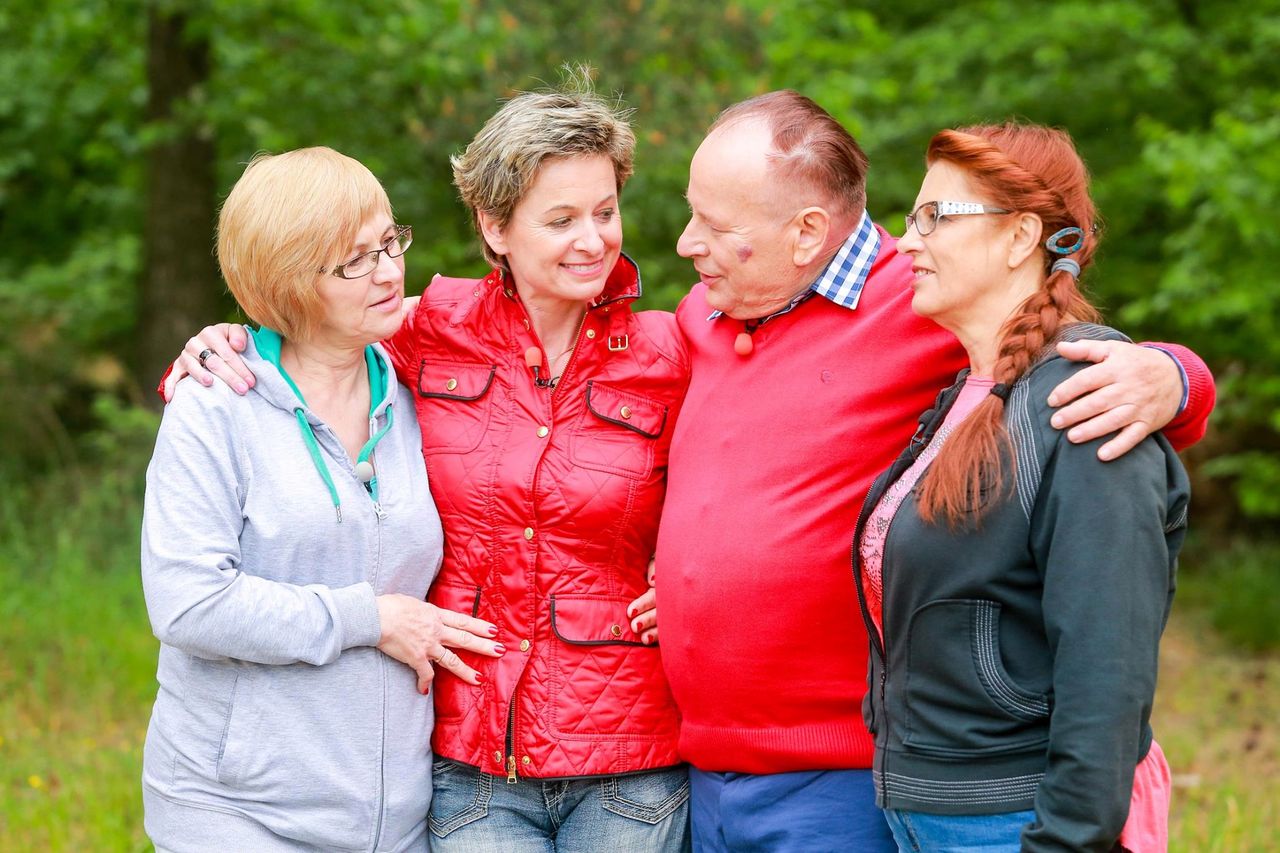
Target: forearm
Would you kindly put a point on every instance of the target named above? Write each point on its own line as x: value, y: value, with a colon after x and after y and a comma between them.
x: 227, y: 613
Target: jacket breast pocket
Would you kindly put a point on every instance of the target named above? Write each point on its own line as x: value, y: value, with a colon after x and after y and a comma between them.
x: 454, y: 404
x: 960, y: 699
x: 618, y: 432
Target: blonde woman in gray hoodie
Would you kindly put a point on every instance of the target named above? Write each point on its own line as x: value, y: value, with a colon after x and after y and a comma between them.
x: 288, y: 541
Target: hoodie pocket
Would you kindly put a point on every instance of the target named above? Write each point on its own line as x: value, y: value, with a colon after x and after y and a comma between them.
x: 453, y: 404
x: 307, y: 738
x: 960, y: 699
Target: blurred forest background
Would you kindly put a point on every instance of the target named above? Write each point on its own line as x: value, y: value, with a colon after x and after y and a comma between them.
x: 123, y: 123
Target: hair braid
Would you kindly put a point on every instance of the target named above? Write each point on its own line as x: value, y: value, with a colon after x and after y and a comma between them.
x: 1025, y: 168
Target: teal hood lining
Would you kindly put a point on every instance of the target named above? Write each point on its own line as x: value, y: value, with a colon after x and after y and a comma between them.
x: 269, y: 344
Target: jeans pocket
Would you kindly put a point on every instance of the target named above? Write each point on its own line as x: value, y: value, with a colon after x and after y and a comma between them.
x: 650, y: 797
x: 460, y: 795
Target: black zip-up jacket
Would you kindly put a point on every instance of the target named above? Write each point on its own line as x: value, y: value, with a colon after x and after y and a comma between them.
x: 1019, y: 657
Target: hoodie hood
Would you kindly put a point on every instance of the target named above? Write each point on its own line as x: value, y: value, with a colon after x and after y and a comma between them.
x: 274, y: 384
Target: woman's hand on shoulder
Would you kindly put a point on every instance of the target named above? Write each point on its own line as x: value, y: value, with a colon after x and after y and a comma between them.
x: 224, y: 342
x: 423, y: 637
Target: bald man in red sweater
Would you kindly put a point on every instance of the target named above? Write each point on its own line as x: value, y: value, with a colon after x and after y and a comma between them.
x: 809, y: 373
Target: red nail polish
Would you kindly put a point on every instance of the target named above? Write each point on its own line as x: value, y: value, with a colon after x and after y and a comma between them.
x: 500, y: 649
x: 493, y: 630
x: 479, y: 678
x: 426, y: 690
x: 631, y: 612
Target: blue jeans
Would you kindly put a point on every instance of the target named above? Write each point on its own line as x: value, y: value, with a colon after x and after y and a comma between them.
x: 804, y: 811
x: 473, y: 812
x: 947, y: 833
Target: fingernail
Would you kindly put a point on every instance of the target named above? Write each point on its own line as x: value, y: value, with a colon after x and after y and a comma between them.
x: 635, y: 626
x: 241, y: 388
x: 500, y: 649
x: 1053, y: 399
x: 1056, y: 420
x: 493, y: 630
x: 631, y: 612
x: 424, y: 691
x: 479, y: 678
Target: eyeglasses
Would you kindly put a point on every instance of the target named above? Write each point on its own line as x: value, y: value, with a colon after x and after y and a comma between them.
x: 395, y: 246
x: 926, y: 216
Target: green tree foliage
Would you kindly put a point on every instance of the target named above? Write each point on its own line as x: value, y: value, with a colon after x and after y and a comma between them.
x: 1173, y: 104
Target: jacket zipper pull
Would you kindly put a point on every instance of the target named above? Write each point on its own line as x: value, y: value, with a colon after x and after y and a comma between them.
x: 511, y: 770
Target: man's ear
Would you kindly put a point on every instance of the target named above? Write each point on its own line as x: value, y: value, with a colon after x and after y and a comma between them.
x: 491, y: 233
x: 812, y: 225
x: 1024, y: 238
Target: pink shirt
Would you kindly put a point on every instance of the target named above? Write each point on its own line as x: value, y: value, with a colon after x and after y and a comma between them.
x: 871, y: 549
x: 1147, y: 828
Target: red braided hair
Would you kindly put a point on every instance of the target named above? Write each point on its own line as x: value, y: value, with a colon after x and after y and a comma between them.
x: 1027, y: 169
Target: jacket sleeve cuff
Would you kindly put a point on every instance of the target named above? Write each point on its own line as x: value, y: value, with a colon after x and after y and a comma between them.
x: 357, y: 615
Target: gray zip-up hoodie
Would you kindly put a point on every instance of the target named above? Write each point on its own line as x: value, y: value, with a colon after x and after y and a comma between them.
x: 277, y: 724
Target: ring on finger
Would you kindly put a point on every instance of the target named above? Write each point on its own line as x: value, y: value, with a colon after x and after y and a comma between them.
x: 204, y: 357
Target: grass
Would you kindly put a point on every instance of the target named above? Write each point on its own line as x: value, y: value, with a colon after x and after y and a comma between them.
x: 78, y: 661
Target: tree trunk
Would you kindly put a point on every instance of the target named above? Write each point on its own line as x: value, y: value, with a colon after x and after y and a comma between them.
x: 180, y: 289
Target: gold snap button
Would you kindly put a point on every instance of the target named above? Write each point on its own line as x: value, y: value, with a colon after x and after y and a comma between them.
x: 524, y: 645
x: 616, y: 630
x: 497, y: 756
x: 626, y: 412
x: 591, y: 334
x: 475, y: 293
x: 526, y: 322
x: 526, y: 760
x: 542, y: 432
x: 507, y: 291
x: 451, y: 384
x: 528, y: 533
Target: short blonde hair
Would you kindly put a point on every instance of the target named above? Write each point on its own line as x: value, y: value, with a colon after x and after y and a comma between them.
x: 499, y: 166
x: 287, y: 220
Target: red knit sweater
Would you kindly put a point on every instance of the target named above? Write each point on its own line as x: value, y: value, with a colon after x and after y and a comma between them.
x: 770, y: 462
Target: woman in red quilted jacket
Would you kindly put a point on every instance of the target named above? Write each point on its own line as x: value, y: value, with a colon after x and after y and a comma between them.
x: 547, y: 408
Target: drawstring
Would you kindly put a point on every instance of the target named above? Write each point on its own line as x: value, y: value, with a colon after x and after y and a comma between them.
x: 313, y: 447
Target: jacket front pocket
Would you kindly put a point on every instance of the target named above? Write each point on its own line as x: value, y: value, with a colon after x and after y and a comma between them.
x: 960, y: 700
x: 594, y: 646
x: 618, y: 431
x: 453, y: 404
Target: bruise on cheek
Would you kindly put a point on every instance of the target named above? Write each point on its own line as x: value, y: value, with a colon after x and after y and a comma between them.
x: 744, y: 254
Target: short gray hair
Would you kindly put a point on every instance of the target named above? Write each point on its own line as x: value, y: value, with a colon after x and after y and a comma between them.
x: 500, y: 165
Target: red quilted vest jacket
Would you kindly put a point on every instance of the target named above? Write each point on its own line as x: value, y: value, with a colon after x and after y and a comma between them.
x: 550, y: 499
